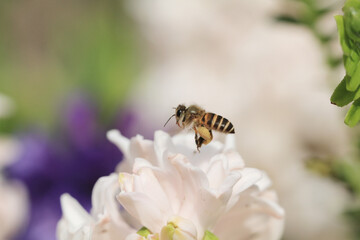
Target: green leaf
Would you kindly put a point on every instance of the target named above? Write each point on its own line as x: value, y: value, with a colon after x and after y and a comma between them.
x: 353, y: 115
x: 209, y: 236
x: 144, y: 232
x: 355, y: 79
x: 341, y: 95
x: 357, y: 94
x: 351, y: 11
x: 341, y: 30
x: 351, y: 63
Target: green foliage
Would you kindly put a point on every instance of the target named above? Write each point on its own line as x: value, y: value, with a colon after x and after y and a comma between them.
x: 349, y: 173
x: 347, y: 170
x: 349, y: 88
x: 210, y: 236
x: 353, y: 215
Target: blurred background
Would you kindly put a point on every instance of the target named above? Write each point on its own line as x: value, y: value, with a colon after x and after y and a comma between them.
x: 72, y: 70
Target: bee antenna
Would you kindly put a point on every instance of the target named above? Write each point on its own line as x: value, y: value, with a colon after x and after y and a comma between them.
x: 169, y: 119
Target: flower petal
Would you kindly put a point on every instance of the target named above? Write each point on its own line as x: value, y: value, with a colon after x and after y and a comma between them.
x: 120, y: 141
x: 144, y: 209
x: 201, y: 205
x: 73, y: 212
x: 255, y: 219
x: 106, y: 207
x: 75, y: 223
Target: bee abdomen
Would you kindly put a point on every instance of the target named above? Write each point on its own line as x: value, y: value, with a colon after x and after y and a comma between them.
x: 217, y: 122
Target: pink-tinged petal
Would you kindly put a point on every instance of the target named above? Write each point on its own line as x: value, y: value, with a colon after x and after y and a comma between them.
x: 179, y: 228
x: 257, y: 216
x: 106, y: 208
x: 212, y: 205
x: 267, y: 206
x: 135, y: 236
x: 123, y: 144
x: 230, y: 143
x: 140, y: 163
x: 246, y: 225
x: 264, y: 183
x: 126, y: 181
x: 76, y: 223
x: 142, y: 148
x: 249, y: 177
x: 106, y: 229
x: 235, y: 160
x: 147, y: 183
x: 74, y: 213
x: 201, y: 205
x: 63, y: 231
x: 184, y: 225
x: 217, y: 171
x: 185, y: 144
x: 223, y: 173
x: 144, y: 181
x: 133, y: 148
x: 221, y: 165
x: 103, y: 196
x: 120, y: 141
x: 162, y: 144
x: 147, y: 211
x: 225, y: 190
x: 171, y: 183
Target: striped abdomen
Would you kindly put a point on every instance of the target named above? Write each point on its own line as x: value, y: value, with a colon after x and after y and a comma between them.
x: 217, y: 122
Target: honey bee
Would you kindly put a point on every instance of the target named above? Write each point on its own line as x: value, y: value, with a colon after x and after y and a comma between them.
x: 202, y: 122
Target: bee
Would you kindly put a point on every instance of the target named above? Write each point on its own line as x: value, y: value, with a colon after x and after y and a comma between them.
x: 202, y: 122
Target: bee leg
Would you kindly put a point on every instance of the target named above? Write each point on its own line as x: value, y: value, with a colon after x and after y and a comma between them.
x: 206, y: 134
x: 199, y: 143
x: 197, y: 139
x: 204, y: 138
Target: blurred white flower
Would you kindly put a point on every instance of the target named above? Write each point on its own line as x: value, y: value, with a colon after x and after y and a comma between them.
x: 13, y: 209
x: 176, y: 193
x: 14, y: 202
x: 268, y: 78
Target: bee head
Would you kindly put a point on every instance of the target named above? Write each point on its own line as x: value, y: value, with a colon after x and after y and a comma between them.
x: 180, y: 114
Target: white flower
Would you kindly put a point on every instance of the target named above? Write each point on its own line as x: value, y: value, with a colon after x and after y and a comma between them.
x: 169, y: 179
x: 176, y: 193
x: 268, y: 78
x: 105, y: 221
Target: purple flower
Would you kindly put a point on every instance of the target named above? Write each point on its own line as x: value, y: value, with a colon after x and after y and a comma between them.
x: 71, y: 160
